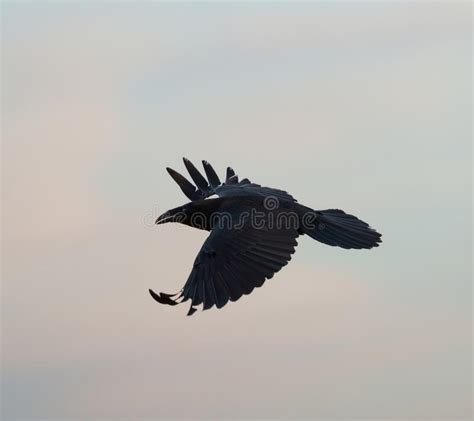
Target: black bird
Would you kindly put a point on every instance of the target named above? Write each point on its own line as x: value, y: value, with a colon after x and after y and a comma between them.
x: 253, y: 231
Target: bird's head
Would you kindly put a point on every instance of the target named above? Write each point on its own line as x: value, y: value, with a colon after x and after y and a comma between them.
x: 181, y: 214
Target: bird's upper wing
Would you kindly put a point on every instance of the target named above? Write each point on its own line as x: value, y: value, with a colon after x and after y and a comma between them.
x: 230, y: 187
x: 233, y: 261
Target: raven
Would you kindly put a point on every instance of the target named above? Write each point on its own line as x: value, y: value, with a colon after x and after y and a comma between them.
x: 253, y: 231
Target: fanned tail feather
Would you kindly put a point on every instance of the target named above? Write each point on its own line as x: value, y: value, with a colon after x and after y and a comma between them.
x: 334, y: 227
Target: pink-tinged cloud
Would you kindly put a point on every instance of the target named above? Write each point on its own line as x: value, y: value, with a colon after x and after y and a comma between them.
x: 365, y: 108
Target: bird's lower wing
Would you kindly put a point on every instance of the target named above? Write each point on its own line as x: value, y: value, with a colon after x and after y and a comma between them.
x: 233, y: 261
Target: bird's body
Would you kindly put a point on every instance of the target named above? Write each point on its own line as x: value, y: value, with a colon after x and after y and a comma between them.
x: 253, y: 232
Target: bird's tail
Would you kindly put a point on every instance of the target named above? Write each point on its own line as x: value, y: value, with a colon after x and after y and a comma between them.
x: 337, y: 228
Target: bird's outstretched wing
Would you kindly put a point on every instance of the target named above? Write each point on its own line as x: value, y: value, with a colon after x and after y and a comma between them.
x: 233, y: 261
x: 230, y: 187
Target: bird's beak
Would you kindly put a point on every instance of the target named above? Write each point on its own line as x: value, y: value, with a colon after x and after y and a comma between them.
x: 166, y: 217
x: 172, y: 215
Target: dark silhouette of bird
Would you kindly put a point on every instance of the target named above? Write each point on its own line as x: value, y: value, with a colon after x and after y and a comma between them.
x: 253, y: 232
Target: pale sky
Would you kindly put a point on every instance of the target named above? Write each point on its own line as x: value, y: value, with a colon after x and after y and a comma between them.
x: 360, y: 106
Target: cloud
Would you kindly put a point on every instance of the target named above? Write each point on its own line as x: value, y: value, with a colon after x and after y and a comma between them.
x: 359, y: 107
x: 53, y: 154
